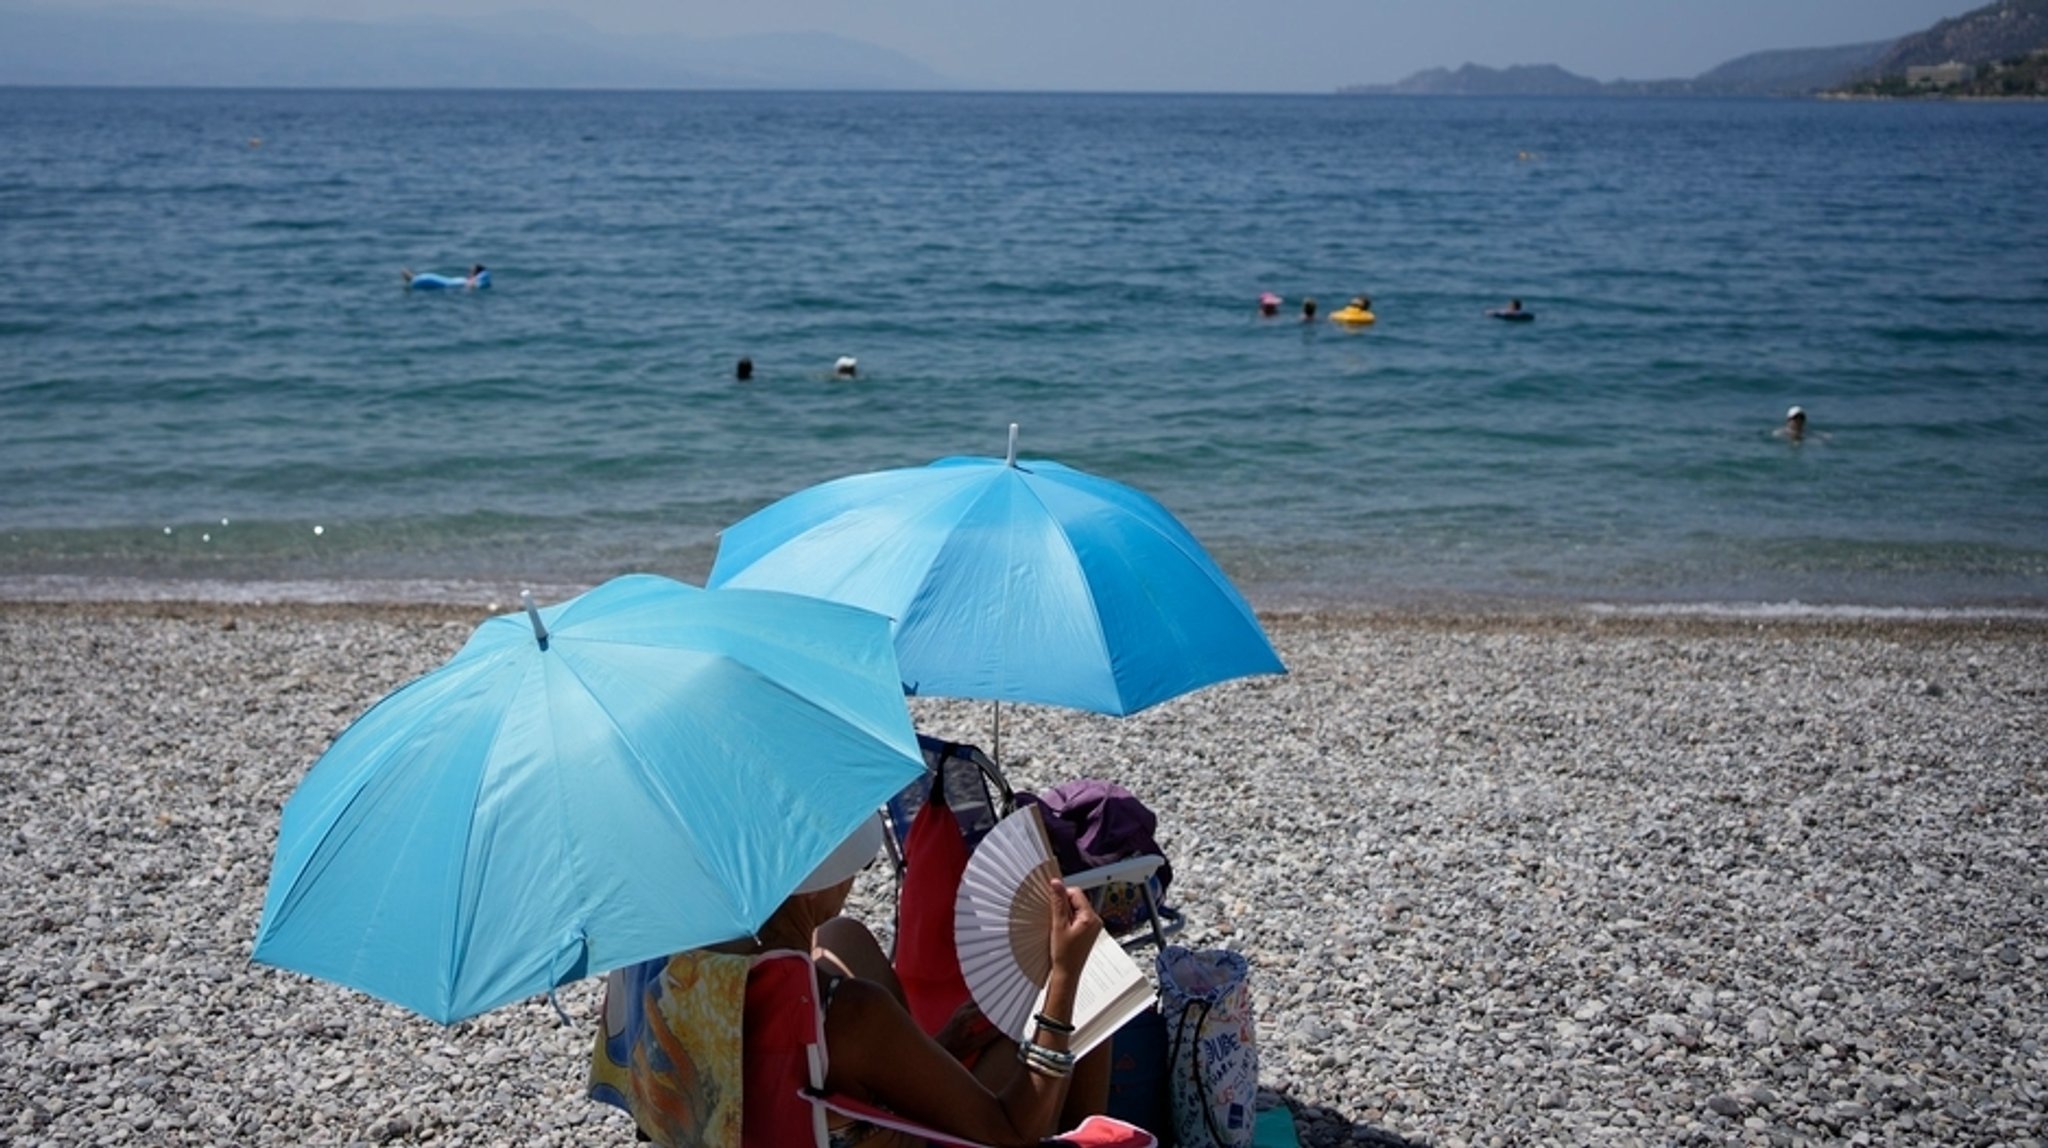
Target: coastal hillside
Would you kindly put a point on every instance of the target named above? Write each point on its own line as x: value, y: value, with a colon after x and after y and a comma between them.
x: 2006, y: 30
x: 1798, y: 71
x: 1789, y: 72
x: 2013, y: 77
x: 1998, y: 37
x: 1997, y: 51
x: 1793, y: 72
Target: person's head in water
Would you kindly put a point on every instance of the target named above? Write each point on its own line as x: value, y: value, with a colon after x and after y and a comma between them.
x: 1308, y: 308
x: 744, y: 371
x: 1269, y: 304
x: 1361, y: 303
x: 1795, y: 423
x: 847, y: 367
x: 1514, y: 306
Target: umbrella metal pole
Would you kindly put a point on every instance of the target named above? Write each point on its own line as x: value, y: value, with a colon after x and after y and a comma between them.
x: 996, y: 738
x: 540, y: 632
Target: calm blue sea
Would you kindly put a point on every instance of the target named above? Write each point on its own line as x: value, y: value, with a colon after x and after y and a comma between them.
x: 208, y: 370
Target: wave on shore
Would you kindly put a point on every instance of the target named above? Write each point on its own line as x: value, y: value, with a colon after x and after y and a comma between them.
x: 501, y: 594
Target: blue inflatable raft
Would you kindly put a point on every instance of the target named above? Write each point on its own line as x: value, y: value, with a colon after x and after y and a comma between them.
x: 428, y: 281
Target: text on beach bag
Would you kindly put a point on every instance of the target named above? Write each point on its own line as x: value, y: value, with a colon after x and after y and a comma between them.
x: 1212, y: 1058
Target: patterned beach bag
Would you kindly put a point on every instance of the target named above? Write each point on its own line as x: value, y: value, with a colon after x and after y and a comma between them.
x: 1212, y: 1060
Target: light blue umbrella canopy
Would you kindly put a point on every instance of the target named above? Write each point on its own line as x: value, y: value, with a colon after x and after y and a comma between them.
x: 655, y: 774
x: 1011, y: 580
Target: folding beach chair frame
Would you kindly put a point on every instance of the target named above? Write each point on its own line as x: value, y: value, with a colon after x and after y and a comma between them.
x: 788, y: 981
x: 978, y: 800
x: 984, y: 798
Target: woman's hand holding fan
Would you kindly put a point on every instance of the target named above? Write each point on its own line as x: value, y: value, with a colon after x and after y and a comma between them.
x: 1014, y: 919
x: 1075, y: 925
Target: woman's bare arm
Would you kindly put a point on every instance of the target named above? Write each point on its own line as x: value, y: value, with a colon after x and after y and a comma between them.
x: 879, y: 1054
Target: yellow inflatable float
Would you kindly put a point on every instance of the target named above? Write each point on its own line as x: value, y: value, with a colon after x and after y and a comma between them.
x: 1357, y: 313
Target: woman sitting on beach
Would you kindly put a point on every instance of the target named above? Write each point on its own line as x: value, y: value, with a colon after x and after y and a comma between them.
x: 875, y: 1052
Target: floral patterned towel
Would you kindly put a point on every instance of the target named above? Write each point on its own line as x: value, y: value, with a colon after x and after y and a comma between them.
x: 669, y: 1049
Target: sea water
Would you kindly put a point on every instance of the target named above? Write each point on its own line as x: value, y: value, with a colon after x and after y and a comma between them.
x: 209, y: 369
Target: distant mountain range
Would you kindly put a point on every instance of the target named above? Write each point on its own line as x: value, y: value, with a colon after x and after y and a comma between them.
x: 154, y: 47
x: 1997, y: 31
x: 1797, y: 71
x: 42, y: 44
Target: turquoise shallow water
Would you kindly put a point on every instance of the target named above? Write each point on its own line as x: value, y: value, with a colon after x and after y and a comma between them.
x: 202, y: 321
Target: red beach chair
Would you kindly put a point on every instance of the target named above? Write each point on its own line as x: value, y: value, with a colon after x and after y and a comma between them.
x: 782, y: 1074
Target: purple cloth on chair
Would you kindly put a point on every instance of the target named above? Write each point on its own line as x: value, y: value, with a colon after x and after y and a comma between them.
x: 1093, y: 822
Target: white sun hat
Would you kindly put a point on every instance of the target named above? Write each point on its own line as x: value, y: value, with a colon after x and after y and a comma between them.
x: 854, y: 854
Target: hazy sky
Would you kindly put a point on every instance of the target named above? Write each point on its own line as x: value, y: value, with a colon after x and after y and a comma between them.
x: 1222, y: 45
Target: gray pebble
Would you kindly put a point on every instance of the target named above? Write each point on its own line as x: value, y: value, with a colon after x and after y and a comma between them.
x: 1528, y: 880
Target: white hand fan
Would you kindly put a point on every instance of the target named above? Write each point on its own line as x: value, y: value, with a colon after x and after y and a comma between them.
x: 1002, y: 920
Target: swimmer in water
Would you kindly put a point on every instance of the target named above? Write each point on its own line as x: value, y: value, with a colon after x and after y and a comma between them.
x: 1308, y: 310
x: 847, y: 367
x: 1269, y: 304
x: 1794, y: 429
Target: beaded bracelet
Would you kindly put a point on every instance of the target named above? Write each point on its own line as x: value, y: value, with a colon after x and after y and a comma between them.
x: 1050, y: 1025
x: 1045, y: 1061
x: 1047, y: 1069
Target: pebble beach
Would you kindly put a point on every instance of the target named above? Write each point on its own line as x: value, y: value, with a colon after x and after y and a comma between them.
x: 1504, y: 879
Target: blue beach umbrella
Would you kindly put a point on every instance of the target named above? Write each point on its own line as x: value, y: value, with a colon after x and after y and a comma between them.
x: 1011, y: 580
x: 642, y: 769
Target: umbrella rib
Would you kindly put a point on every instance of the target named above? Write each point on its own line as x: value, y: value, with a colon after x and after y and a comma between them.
x: 288, y: 897
x: 909, y: 527
x: 457, y: 938
x: 768, y: 682
x: 1183, y: 541
x: 777, y: 686
x: 570, y: 859
x: 1179, y: 540
x: 1094, y: 611
x: 640, y: 759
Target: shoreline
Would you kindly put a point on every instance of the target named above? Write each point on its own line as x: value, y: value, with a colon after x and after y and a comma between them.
x: 1501, y: 878
x: 1589, y: 620
x: 475, y: 599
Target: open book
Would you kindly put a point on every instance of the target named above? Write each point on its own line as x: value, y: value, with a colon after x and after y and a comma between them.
x: 1000, y: 922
